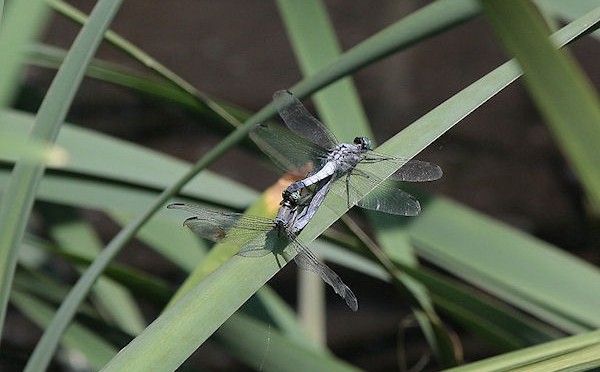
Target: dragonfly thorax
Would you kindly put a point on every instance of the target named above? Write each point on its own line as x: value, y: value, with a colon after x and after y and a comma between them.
x: 345, y: 156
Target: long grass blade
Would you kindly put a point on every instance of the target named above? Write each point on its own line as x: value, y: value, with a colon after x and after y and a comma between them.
x: 568, y: 10
x: 20, y: 192
x: 267, y: 349
x: 265, y: 205
x: 177, y: 238
x: 96, y: 350
x: 15, y: 147
x: 562, y: 93
x: 172, y: 337
x: 576, y: 353
x: 315, y: 45
x: 98, y: 155
x: 75, y: 236
x: 426, y: 22
x: 236, y: 136
x: 147, y: 60
x: 80, y: 290
x: 20, y: 24
x: 492, y: 320
x: 540, y: 282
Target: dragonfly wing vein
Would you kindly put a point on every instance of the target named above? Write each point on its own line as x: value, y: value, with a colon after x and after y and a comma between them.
x: 418, y: 171
x: 306, y: 260
x: 389, y: 199
x: 288, y: 151
x: 300, y: 120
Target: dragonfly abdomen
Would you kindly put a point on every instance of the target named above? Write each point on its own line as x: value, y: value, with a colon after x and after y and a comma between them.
x: 328, y: 169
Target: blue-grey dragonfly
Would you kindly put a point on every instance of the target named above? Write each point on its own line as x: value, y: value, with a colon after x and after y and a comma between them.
x: 313, y: 145
x: 316, y: 199
x: 260, y: 236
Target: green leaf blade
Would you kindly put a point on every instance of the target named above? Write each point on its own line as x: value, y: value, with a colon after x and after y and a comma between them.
x: 559, y: 88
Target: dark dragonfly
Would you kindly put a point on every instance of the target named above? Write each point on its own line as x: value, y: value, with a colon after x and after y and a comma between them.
x: 260, y: 236
x: 315, y: 146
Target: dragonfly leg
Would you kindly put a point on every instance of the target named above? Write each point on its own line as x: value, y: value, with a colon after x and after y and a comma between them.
x: 348, y: 189
x: 377, y: 159
x: 360, y: 173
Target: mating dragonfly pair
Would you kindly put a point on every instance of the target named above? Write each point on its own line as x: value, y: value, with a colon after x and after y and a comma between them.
x: 309, y: 143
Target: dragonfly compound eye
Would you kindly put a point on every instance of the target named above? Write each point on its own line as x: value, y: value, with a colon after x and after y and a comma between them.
x: 364, y: 143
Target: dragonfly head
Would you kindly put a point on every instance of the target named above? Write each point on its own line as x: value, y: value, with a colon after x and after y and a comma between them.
x: 364, y: 142
x: 293, y: 198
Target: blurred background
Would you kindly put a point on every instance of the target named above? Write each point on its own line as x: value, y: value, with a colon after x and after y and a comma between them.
x: 501, y: 160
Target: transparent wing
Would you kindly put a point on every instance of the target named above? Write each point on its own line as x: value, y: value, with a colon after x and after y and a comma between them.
x: 306, y: 260
x: 299, y: 120
x: 385, y: 197
x: 288, y: 151
x: 389, y: 199
x: 253, y: 250
x: 271, y: 242
x: 410, y: 171
x: 236, y: 228
x: 418, y: 171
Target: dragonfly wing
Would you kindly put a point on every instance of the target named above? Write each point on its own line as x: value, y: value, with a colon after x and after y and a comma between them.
x: 273, y: 241
x: 288, y: 151
x: 418, y: 171
x: 256, y: 248
x: 237, y: 228
x: 206, y: 229
x: 306, y: 260
x: 410, y: 170
x: 384, y: 197
x: 299, y: 120
x: 202, y: 212
x: 389, y: 199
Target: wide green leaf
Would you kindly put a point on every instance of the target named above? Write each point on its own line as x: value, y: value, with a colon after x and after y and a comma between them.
x: 98, y: 155
x: 520, y: 269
